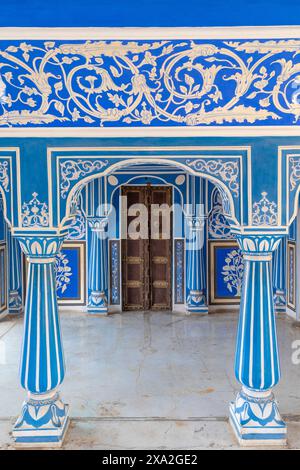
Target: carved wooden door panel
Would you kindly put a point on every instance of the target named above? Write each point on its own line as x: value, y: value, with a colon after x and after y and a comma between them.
x: 146, y: 263
x: 160, y: 249
x: 135, y: 263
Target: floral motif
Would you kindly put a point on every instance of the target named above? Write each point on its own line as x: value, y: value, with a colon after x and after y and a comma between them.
x: 226, y: 170
x: 72, y: 170
x: 189, y: 82
x: 232, y: 272
x: 264, y: 211
x: 63, y: 273
x: 35, y: 213
x: 218, y: 226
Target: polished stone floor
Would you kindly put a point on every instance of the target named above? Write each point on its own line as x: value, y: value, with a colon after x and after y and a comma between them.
x: 148, y: 380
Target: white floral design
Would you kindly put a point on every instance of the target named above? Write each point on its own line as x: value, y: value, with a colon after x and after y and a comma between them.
x: 35, y: 213
x: 183, y: 82
x: 264, y: 211
x: 232, y: 272
x: 63, y: 273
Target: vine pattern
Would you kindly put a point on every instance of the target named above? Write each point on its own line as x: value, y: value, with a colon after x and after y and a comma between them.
x: 143, y: 83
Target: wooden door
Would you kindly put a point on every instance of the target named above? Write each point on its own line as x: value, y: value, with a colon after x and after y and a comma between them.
x: 146, y: 263
x: 160, y: 249
x: 135, y: 263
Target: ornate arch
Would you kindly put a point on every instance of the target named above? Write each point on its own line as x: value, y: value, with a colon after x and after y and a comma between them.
x: 225, y: 174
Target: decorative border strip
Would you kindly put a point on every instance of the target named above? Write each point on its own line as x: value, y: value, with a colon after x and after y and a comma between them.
x: 115, y: 270
x: 170, y: 131
x: 3, y: 278
x: 179, y: 271
x: 291, y: 246
x: 14, y: 187
x: 227, y: 32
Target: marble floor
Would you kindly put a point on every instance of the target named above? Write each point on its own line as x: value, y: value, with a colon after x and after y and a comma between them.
x: 148, y: 380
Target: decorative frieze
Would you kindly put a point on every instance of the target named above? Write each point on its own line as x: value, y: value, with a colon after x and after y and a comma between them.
x: 144, y: 83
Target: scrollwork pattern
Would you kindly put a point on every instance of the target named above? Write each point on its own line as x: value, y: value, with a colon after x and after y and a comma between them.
x: 143, y: 83
x: 294, y: 164
x: 72, y: 170
x: 4, y: 176
x: 77, y: 226
x: 226, y: 170
x: 218, y: 227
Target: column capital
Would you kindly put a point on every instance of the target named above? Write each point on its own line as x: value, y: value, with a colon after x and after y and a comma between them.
x: 41, y: 247
x: 195, y: 222
x: 98, y: 224
x: 261, y: 245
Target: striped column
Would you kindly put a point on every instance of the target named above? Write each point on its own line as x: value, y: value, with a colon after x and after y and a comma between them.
x: 254, y: 415
x: 196, y: 273
x: 98, y: 265
x: 279, y: 277
x: 44, y: 417
x: 15, y: 274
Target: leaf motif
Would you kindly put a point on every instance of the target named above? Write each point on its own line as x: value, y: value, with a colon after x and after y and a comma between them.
x: 26, y: 56
x: 114, y: 71
x: 58, y: 86
x: 88, y: 119
x: 12, y: 49
x: 60, y: 107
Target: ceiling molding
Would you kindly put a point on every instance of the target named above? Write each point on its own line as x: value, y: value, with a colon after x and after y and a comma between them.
x: 234, y: 32
x: 167, y: 131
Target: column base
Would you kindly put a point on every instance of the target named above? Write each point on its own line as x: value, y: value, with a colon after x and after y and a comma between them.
x: 15, y: 303
x: 280, y: 309
x: 279, y: 301
x: 193, y: 309
x: 255, y: 419
x: 97, y: 311
x: 43, y: 422
x: 196, y: 302
x: 97, y: 303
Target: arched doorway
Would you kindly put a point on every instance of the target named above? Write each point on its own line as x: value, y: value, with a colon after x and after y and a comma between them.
x: 189, y: 191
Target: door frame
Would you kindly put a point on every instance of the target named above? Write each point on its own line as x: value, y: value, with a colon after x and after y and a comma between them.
x: 171, y: 242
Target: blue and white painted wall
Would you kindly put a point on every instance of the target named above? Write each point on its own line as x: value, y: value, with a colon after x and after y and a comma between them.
x: 225, y: 109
